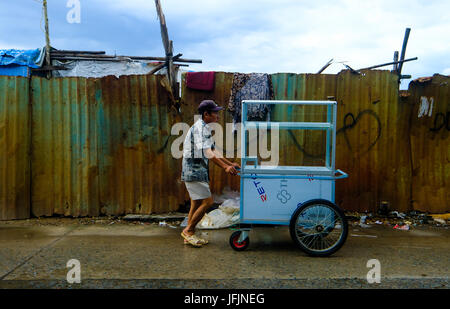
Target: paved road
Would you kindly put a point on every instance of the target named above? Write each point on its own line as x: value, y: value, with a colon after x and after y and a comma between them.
x: 150, y: 256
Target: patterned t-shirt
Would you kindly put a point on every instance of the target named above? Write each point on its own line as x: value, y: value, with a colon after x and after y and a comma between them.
x: 195, y: 163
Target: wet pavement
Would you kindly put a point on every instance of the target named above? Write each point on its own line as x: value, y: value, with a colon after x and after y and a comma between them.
x: 124, y: 255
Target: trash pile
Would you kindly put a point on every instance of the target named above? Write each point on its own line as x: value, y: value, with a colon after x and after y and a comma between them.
x: 398, y: 220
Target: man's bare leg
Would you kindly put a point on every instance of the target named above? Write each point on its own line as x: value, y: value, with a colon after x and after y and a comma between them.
x: 197, y: 215
x: 194, y: 206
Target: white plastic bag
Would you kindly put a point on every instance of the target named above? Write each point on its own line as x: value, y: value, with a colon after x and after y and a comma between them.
x: 230, y: 206
x: 225, y: 216
x: 226, y: 195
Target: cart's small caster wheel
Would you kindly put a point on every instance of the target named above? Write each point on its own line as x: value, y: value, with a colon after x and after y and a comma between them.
x: 238, y: 246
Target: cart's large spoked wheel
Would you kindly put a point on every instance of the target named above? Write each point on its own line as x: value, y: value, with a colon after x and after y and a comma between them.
x: 319, y: 228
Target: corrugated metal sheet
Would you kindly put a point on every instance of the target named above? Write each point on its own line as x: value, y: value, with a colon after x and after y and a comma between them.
x: 302, y: 147
x: 98, y: 147
x: 64, y: 156
x: 372, y: 142
x: 14, y: 148
x: 137, y: 171
x: 430, y: 143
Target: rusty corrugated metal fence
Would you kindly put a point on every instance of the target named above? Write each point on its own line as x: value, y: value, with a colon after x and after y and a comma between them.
x: 372, y: 142
x: 430, y: 143
x: 86, y: 147
x: 14, y: 148
x: 100, y: 147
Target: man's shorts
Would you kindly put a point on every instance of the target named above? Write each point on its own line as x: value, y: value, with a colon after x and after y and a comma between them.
x: 198, y: 190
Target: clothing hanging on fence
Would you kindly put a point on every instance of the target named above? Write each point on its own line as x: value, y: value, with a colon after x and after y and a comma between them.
x: 250, y: 87
x: 200, y: 80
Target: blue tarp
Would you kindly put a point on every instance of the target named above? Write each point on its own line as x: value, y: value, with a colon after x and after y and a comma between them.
x: 29, y: 58
x: 15, y: 70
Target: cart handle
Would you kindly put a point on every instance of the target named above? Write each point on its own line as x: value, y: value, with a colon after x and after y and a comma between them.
x: 265, y: 176
x: 250, y: 159
x: 343, y: 175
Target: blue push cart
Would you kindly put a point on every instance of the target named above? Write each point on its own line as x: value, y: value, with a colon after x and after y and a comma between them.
x: 296, y: 195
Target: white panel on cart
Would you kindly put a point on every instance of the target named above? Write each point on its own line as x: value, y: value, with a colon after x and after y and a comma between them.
x: 277, y: 199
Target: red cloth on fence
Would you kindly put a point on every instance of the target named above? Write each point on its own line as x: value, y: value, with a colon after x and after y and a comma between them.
x: 200, y: 80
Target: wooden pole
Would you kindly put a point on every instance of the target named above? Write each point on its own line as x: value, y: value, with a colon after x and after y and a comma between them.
x: 170, y: 72
x: 47, y: 38
x: 162, y: 22
x: 168, y: 47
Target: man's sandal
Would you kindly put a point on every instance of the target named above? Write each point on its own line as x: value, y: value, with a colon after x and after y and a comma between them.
x: 200, y: 240
x: 192, y: 240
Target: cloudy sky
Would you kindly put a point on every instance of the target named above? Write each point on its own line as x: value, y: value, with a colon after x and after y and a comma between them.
x: 246, y: 35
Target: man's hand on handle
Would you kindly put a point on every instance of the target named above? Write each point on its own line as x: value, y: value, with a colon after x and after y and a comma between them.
x: 230, y: 167
x: 231, y: 170
x: 236, y: 165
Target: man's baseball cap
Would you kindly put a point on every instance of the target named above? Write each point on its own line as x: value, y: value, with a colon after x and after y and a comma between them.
x: 210, y: 106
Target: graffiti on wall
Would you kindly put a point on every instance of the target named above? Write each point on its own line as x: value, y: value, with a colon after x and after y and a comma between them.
x: 441, y: 121
x: 350, y: 122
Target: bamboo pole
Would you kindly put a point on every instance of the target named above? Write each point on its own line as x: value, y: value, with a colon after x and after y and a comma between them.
x: 47, y: 38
